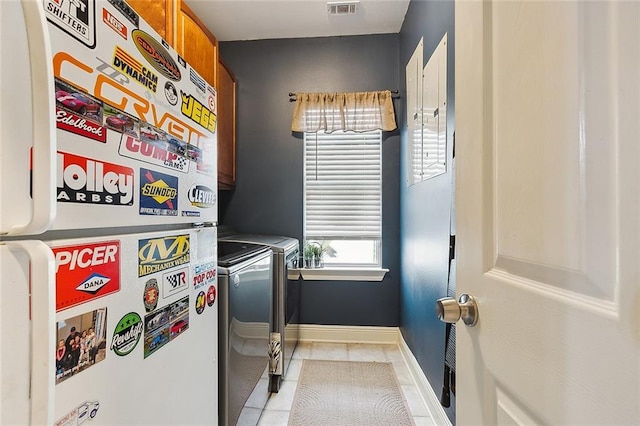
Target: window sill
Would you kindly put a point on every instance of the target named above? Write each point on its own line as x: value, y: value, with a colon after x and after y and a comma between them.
x: 338, y: 274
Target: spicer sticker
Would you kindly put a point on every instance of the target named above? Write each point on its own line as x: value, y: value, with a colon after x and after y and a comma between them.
x: 202, y: 196
x: 204, y: 274
x: 75, y: 17
x: 153, y: 152
x: 87, y: 181
x: 159, y: 254
x: 86, y: 272
x: 156, y: 55
x: 151, y: 295
x: 174, y: 282
x: 127, y: 334
x: 158, y: 193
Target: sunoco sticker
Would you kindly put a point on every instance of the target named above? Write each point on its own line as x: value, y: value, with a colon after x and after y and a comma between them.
x: 127, y: 334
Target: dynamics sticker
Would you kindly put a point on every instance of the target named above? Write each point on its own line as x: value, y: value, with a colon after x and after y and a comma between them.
x: 130, y: 66
x: 86, y: 272
x: 127, y: 334
x: 159, y: 254
x: 88, y: 181
x: 158, y: 193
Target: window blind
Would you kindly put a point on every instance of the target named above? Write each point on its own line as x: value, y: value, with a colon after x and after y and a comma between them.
x: 343, y: 185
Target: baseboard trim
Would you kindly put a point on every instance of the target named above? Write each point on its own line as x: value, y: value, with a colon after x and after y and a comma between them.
x: 379, y: 335
x: 424, y: 387
x: 348, y: 334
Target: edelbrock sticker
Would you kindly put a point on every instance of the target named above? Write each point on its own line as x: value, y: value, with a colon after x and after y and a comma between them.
x: 127, y: 334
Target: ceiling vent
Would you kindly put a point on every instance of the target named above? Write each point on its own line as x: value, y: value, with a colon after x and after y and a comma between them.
x: 342, y: 7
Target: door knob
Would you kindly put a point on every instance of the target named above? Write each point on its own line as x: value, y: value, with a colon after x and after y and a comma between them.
x: 449, y: 310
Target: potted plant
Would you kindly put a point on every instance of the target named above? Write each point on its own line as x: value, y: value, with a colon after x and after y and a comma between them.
x: 314, y: 253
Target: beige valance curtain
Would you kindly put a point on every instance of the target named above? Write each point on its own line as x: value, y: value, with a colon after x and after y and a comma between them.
x: 358, y: 112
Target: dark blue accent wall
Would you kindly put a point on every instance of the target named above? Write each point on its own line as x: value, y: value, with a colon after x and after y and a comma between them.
x: 426, y: 207
x: 268, y: 195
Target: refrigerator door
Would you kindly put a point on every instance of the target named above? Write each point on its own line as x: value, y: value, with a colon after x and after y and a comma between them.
x: 133, y: 333
x: 135, y: 126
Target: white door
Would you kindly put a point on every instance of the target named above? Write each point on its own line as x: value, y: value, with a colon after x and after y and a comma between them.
x: 548, y: 152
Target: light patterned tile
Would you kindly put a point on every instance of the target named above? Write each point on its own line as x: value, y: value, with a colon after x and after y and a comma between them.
x: 403, y: 374
x: 249, y: 416
x: 330, y: 351
x: 393, y: 354
x: 274, y: 418
x: 293, y: 372
x: 303, y: 350
x: 365, y: 352
x: 414, y: 400
x: 283, y: 400
x: 424, y: 421
x: 257, y: 397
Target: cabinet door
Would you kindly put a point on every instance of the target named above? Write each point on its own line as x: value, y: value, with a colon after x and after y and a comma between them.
x: 158, y: 14
x: 197, y: 45
x: 226, y: 127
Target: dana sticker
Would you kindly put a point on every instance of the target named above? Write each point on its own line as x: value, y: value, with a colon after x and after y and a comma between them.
x: 201, y: 302
x: 113, y: 23
x: 127, y: 334
x: 204, y: 274
x: 159, y: 254
x: 197, y: 80
x: 158, y: 193
x: 83, y: 412
x: 174, y: 282
x: 80, y: 343
x: 75, y: 17
x: 128, y: 65
x: 193, y: 109
x: 156, y: 55
x: 151, y: 295
x: 211, y: 296
x: 202, y: 196
x: 128, y: 13
x: 86, y: 272
x: 88, y: 181
x: 157, y: 152
x: 170, y: 93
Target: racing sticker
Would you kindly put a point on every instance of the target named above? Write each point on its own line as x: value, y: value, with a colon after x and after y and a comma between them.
x: 88, y: 181
x: 113, y: 23
x: 126, y: 11
x: 204, y: 274
x: 86, y: 272
x: 171, y: 93
x: 211, y: 296
x: 151, y: 294
x: 197, y: 80
x: 130, y: 66
x: 174, y: 282
x: 79, y: 113
x: 201, y: 302
x: 193, y: 109
x: 123, y: 123
x: 202, y: 196
x: 81, y: 342
x: 127, y: 334
x: 156, y: 330
x: 160, y: 152
x: 74, y: 17
x: 158, y: 193
x: 160, y: 254
x: 83, y: 412
x: 156, y: 55
x: 179, y: 318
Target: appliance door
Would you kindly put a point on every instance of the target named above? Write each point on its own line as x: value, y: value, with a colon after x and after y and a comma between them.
x: 128, y: 321
x: 134, y: 141
x: 291, y: 309
x: 245, y: 303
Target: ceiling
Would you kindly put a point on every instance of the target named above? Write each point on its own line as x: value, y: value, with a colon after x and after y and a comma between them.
x: 232, y: 20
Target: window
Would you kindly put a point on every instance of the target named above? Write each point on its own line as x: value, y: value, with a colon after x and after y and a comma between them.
x: 343, y: 196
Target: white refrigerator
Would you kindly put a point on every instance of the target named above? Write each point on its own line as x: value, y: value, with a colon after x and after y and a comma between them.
x: 108, y: 213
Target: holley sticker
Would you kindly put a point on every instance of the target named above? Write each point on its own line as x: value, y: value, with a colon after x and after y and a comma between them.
x: 86, y: 272
x: 127, y: 334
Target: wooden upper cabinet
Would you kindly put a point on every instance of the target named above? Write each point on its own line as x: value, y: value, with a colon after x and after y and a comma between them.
x: 159, y: 14
x: 197, y: 45
x: 226, y: 127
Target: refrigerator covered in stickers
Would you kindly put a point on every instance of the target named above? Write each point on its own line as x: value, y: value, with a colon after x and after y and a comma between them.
x: 108, y: 213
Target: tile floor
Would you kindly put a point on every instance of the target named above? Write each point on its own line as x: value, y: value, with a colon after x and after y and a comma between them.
x: 278, y: 406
